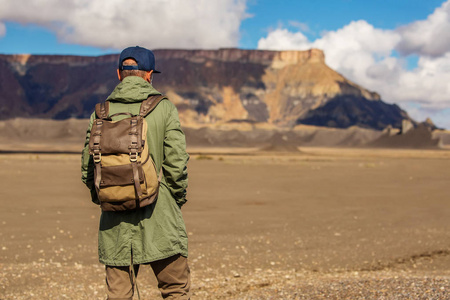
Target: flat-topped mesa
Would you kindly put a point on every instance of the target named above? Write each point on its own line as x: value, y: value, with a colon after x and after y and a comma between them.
x: 283, y: 88
x: 22, y: 62
x: 265, y: 57
x: 284, y: 58
x: 30, y: 59
x: 296, y: 57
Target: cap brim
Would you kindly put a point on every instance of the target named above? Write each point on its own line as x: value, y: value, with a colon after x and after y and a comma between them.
x: 154, y: 71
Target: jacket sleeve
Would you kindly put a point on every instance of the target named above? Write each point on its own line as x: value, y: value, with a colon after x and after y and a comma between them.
x: 87, y: 164
x: 175, y: 158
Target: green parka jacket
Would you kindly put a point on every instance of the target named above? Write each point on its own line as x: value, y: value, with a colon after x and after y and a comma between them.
x: 156, y: 231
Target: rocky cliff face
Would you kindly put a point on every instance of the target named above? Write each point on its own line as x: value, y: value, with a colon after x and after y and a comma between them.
x: 283, y: 88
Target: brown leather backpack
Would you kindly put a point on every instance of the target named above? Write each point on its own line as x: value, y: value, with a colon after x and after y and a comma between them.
x: 125, y: 174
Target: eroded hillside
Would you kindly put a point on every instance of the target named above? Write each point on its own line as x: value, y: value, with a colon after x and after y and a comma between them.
x: 281, y: 88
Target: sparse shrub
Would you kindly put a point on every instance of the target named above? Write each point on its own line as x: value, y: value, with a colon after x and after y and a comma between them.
x: 204, y: 157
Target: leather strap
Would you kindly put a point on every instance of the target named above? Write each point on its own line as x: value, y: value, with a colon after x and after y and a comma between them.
x: 96, y: 137
x: 135, y: 145
x: 134, y: 155
x: 98, y: 176
x: 137, y: 182
x: 149, y: 104
x: 102, y: 110
x: 122, y: 114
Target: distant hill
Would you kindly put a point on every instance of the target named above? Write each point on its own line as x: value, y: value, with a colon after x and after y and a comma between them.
x: 45, y: 135
x: 282, y: 88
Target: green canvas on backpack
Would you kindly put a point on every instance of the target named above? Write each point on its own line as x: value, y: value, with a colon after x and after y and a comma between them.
x: 125, y: 175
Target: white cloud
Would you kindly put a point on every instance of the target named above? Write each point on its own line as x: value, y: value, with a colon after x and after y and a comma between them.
x: 427, y: 84
x: 356, y: 47
x: 429, y: 37
x: 121, y: 23
x: 365, y: 55
x: 283, y: 39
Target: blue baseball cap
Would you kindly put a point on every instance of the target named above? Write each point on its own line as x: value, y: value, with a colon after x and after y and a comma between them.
x: 144, y: 58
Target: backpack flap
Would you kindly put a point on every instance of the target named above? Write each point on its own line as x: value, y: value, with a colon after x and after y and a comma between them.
x: 116, y: 136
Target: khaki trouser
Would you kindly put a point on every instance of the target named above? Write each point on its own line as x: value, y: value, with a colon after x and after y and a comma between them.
x: 172, y: 273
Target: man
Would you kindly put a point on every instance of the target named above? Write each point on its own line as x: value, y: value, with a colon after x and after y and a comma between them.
x: 154, y: 234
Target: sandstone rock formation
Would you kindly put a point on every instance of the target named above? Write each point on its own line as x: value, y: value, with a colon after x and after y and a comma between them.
x: 419, y: 137
x: 282, y: 88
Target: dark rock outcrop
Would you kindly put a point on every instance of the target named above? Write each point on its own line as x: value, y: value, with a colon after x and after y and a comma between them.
x: 344, y: 111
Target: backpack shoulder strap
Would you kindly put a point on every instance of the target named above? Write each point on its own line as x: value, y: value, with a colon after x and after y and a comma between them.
x: 149, y: 104
x: 102, y: 110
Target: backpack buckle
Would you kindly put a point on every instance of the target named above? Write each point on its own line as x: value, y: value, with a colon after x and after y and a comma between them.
x: 97, y: 157
x: 133, y: 156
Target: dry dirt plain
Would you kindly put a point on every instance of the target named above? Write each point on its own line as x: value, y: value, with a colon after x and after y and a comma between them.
x: 321, y: 224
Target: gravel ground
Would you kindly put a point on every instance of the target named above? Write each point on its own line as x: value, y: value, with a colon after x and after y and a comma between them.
x: 326, y: 225
x: 56, y: 281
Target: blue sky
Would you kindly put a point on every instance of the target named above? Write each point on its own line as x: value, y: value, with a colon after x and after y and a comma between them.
x: 326, y: 15
x: 398, y: 48
x: 264, y: 15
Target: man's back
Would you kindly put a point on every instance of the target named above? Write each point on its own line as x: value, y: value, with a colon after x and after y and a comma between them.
x: 156, y: 233
x: 167, y: 148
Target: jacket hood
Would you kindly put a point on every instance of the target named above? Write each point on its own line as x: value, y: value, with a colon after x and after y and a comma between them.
x: 132, y: 89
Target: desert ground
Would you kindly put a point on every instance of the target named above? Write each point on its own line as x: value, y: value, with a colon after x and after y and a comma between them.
x: 324, y: 223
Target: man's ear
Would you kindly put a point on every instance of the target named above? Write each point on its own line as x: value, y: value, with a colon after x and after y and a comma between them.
x: 118, y: 75
x: 148, y: 76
